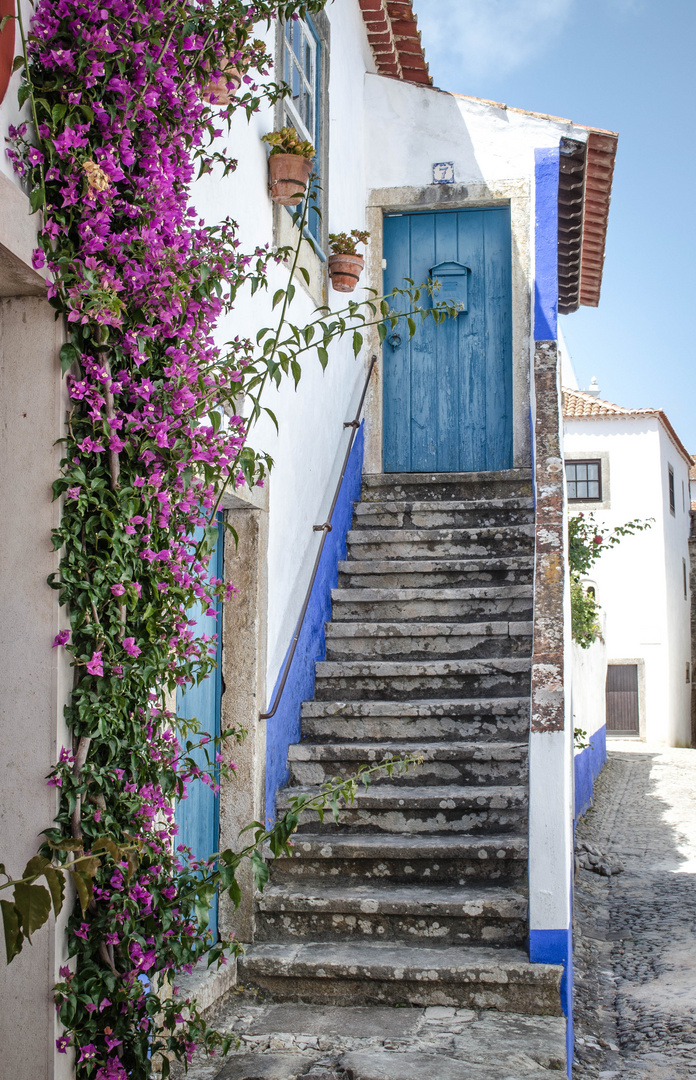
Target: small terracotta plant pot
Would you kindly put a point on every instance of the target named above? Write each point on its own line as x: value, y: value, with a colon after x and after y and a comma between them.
x: 345, y: 271
x: 219, y: 91
x: 290, y: 175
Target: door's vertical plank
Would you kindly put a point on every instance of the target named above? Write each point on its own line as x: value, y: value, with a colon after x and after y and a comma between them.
x: 396, y: 375
x: 498, y: 318
x: 446, y: 356
x: 197, y: 817
x: 424, y: 385
x: 471, y: 346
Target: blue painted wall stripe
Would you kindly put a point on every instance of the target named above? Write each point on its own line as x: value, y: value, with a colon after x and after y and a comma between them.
x: 588, y: 765
x: 283, y: 729
x: 546, y: 164
x: 556, y: 947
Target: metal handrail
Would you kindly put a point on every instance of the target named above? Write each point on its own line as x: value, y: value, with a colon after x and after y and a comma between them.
x: 324, y: 529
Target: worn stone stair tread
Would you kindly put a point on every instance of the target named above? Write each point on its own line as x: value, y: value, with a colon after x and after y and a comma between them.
x: 475, y: 592
x: 336, y: 669
x: 490, y: 846
x: 394, y: 479
x: 417, y: 707
x: 444, y: 901
x: 416, y: 1065
x: 435, y: 796
x: 372, y: 753
x: 473, y: 562
x: 514, y: 502
x: 397, y: 962
x: 447, y: 532
x: 491, y: 628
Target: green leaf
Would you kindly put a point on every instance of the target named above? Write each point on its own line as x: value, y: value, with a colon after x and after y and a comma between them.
x: 357, y: 342
x: 35, y: 867
x: 68, y: 355
x: 83, y: 886
x: 56, y: 885
x: 305, y: 273
x: 323, y: 356
x: 215, y: 420
x: 36, y: 199
x: 17, y: 63
x: 4, y: 21
x: 411, y: 327
x: 382, y: 332
x: 58, y: 112
x: 260, y: 869
x: 278, y: 296
x: 33, y: 902
x: 13, y: 934
x: 235, y: 894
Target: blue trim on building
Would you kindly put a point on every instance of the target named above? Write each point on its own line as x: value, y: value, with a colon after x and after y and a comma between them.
x: 546, y: 163
x: 283, y: 729
x: 588, y: 765
x: 556, y: 947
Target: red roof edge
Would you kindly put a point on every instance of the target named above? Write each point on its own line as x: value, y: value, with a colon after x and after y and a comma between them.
x: 392, y: 30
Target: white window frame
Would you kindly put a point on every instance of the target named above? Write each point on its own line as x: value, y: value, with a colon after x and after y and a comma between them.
x: 291, y: 62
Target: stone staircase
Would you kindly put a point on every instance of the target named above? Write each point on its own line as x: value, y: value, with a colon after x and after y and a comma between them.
x: 419, y: 895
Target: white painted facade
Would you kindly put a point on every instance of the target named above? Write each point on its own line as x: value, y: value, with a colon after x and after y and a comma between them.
x: 641, y: 585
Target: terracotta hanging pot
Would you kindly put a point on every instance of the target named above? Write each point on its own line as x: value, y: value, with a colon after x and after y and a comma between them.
x: 290, y: 175
x: 345, y: 271
x: 219, y: 91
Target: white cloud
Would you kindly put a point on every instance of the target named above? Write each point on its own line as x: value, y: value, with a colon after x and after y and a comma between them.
x: 470, y: 40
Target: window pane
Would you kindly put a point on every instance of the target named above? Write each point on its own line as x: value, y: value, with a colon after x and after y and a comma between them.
x: 308, y: 62
x: 572, y: 490
x: 593, y: 472
x: 570, y: 472
x: 592, y: 489
x: 581, y: 472
x: 295, y: 85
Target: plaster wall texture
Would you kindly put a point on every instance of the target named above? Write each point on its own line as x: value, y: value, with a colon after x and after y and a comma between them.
x: 309, y: 447
x: 10, y: 112
x: 639, y: 584
x: 34, y: 678
x: 588, y: 681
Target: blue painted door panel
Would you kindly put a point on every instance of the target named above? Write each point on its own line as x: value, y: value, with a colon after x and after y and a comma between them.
x: 448, y: 391
x: 198, y: 815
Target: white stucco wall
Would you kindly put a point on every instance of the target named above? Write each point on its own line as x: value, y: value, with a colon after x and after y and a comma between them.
x: 309, y: 447
x: 9, y: 109
x: 588, y: 684
x: 639, y: 584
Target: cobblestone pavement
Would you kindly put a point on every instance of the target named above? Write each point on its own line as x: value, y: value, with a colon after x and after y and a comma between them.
x: 635, y: 931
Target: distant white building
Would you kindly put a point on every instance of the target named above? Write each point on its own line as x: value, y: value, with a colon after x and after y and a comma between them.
x: 623, y: 464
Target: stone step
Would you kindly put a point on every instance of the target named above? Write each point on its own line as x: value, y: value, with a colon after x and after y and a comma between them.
x: 429, y: 573
x: 418, y: 641
x: 398, y: 858
x: 444, y: 763
x: 417, y: 721
x: 398, y: 808
x: 508, y: 483
x: 393, y: 974
x: 446, y: 914
x: 429, y: 514
x: 380, y: 679
x: 513, y: 602
x: 439, y: 543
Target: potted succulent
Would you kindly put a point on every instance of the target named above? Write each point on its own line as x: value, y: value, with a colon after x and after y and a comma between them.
x: 290, y: 165
x: 345, y: 265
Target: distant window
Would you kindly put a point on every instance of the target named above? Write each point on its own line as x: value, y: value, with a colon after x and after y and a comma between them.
x: 688, y: 671
x: 686, y: 593
x: 671, y: 489
x: 683, y: 497
x: 584, y: 480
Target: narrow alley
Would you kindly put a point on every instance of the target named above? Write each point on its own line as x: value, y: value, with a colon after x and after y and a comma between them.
x: 635, y: 929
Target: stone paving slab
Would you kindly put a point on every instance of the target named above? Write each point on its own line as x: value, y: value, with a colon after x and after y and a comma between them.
x: 363, y: 1043
x: 635, y: 931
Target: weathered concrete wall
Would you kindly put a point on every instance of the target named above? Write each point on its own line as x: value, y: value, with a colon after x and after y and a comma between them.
x: 33, y: 677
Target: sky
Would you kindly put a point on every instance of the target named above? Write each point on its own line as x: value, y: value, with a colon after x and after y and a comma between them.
x: 628, y: 66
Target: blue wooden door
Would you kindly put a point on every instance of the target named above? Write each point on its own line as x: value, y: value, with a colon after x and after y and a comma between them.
x: 448, y: 390
x: 198, y: 815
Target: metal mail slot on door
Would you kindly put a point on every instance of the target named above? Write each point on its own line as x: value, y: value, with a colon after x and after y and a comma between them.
x: 453, y: 279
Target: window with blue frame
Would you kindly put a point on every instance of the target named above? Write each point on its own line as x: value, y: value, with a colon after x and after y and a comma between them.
x: 302, y: 109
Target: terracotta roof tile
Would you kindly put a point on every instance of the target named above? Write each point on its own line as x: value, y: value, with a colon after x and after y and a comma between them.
x: 579, y: 405
x: 394, y: 37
